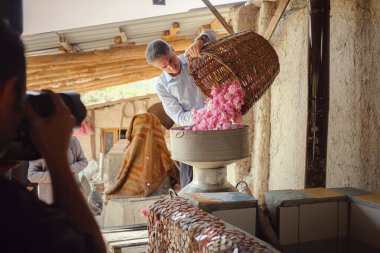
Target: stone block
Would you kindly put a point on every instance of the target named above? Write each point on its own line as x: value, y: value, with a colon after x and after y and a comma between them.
x: 288, y: 227
x: 120, y: 212
x: 235, y: 208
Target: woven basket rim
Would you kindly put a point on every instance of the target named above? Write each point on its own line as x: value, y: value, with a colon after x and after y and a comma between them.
x: 213, y: 56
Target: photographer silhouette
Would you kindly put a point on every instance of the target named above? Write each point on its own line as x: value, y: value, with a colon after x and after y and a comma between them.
x: 27, y: 224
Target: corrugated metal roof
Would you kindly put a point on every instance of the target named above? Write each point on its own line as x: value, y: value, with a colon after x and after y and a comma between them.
x: 140, y: 31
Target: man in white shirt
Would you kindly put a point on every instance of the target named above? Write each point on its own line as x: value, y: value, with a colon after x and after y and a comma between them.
x: 175, y: 87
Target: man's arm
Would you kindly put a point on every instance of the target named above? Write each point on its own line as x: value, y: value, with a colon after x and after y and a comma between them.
x: 36, y: 173
x: 205, y: 37
x: 173, y: 108
x: 80, y: 160
x: 51, y: 136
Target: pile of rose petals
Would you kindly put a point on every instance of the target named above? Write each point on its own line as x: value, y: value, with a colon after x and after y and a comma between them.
x: 222, y: 110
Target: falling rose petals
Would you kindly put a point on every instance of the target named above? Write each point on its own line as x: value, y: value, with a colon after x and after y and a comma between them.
x: 222, y: 110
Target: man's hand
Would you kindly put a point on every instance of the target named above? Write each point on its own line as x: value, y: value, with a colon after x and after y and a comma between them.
x: 195, y: 49
x: 51, y: 135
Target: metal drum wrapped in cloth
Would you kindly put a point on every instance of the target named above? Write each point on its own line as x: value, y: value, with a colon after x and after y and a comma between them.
x: 245, y: 57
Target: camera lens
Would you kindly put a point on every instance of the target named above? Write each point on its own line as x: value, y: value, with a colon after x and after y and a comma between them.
x: 44, y: 107
x: 22, y: 147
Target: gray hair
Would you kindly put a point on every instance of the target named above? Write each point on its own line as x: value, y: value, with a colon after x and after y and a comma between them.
x: 156, y: 49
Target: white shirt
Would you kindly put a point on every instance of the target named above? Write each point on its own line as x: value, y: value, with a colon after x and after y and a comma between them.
x: 179, y: 94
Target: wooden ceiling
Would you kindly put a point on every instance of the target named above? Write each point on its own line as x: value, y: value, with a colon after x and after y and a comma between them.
x: 123, y: 63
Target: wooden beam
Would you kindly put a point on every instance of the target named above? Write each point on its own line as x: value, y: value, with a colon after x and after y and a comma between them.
x: 118, y: 40
x: 218, y: 16
x: 96, y: 85
x: 86, y: 71
x: 276, y: 18
x: 202, y: 28
x: 65, y: 44
x: 129, y: 52
x: 99, y: 56
x: 35, y: 70
x: 45, y: 76
x: 171, y: 33
x: 122, y: 40
x: 123, y: 44
x: 37, y: 75
x: 215, y: 25
x: 69, y: 66
x: 83, y: 78
x: 123, y: 34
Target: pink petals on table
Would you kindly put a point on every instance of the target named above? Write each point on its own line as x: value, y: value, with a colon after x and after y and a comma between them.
x: 222, y: 110
x: 144, y: 212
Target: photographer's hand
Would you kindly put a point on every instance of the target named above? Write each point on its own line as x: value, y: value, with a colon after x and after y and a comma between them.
x: 51, y: 136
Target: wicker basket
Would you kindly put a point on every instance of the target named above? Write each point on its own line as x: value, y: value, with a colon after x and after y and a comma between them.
x: 245, y: 57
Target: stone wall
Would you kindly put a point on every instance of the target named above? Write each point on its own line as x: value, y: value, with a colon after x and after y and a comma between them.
x: 354, y: 132
x: 289, y: 100
x: 354, y: 117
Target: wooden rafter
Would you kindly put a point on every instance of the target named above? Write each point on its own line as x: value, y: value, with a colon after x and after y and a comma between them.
x: 276, y: 18
x: 37, y: 75
x: 112, y: 81
x: 173, y: 30
x: 202, y: 28
x: 122, y: 40
x: 87, y: 71
x: 215, y: 25
x: 65, y: 44
x: 171, y: 34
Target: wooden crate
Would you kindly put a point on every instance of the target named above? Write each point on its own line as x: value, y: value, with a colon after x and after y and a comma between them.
x: 131, y: 239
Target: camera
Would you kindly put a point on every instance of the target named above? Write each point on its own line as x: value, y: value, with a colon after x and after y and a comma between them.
x: 22, y: 147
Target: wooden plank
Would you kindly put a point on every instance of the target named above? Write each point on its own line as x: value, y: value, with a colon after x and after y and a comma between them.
x: 202, y: 28
x: 128, y: 52
x: 215, y: 24
x: 66, y: 45
x: 53, y: 72
x: 171, y: 33
x: 67, y: 79
x: 83, y: 75
x: 276, y: 18
x: 125, y: 235
x: 126, y: 238
x: 120, y: 53
x: 97, y: 84
x: 69, y: 69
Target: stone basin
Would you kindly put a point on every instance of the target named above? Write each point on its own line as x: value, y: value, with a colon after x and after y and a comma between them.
x: 209, y: 152
x: 209, y: 148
